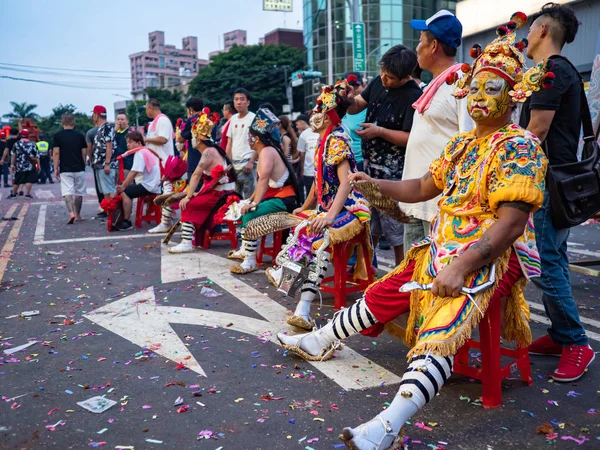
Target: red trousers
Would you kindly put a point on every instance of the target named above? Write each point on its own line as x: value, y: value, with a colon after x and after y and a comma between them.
x: 386, y: 302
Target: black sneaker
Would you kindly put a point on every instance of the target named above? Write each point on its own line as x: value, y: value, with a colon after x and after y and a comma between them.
x: 126, y: 225
x: 12, y: 196
x: 7, y: 185
x: 102, y: 215
x: 384, y: 244
x: 29, y: 196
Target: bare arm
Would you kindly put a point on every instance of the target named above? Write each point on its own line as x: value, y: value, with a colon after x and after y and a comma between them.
x: 357, y: 104
x: 410, y: 191
x: 205, y: 163
x: 265, y: 168
x: 302, y: 158
x: 512, y: 219
x: 109, y: 150
x: 89, y: 153
x: 540, y: 122
x: 228, y: 149
x: 287, y: 145
x: 130, y: 177
x: 158, y: 140
x: 56, y: 159
x: 371, y: 131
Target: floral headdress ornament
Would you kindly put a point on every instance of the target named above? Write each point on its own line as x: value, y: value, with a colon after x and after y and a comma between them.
x: 504, y: 57
x: 203, y: 125
x: 329, y: 99
x: 178, y: 127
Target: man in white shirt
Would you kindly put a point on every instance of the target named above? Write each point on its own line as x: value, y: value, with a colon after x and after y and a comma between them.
x: 160, y: 131
x: 238, y: 150
x: 307, y: 145
x: 438, y: 116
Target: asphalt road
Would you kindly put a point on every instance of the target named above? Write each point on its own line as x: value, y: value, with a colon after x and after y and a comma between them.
x: 116, y: 312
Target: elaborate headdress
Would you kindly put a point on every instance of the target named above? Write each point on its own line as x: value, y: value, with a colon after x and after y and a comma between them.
x: 504, y: 57
x: 203, y: 125
x: 179, y: 127
x: 264, y: 123
x: 329, y: 99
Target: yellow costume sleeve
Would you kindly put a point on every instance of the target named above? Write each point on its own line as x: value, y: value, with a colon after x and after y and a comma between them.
x: 436, y: 168
x: 337, y: 150
x: 518, y: 174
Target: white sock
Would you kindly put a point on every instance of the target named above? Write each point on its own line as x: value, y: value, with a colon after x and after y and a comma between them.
x: 303, y: 306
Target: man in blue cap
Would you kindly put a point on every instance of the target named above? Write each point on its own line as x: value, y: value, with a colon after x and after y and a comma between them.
x: 438, y: 115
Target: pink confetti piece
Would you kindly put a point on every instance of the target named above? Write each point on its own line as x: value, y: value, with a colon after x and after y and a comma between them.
x: 53, y: 410
x: 571, y: 438
x: 147, y: 407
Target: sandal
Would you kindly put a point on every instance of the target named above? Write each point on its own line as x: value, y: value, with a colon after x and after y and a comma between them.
x: 357, y: 438
x: 326, y: 353
x: 239, y: 270
x: 270, y: 277
x: 299, y: 322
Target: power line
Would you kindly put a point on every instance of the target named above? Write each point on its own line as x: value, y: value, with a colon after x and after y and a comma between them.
x: 58, y: 68
x: 60, y: 74
x: 51, y: 83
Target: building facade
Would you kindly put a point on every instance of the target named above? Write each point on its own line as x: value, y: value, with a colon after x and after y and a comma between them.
x: 387, y: 23
x: 231, y: 38
x: 164, y: 66
x: 285, y: 36
x: 480, y: 23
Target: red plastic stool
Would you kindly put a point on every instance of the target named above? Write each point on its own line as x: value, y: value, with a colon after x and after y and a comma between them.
x: 271, y: 251
x: 492, y: 373
x: 211, y: 235
x: 339, y: 284
x: 153, y: 212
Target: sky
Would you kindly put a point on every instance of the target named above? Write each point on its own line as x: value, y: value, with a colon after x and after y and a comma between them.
x: 100, y: 36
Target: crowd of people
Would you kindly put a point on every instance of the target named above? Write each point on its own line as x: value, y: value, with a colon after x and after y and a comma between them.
x: 463, y: 159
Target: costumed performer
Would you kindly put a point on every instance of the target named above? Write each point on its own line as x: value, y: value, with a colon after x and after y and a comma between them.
x: 276, y: 189
x: 217, y: 175
x: 331, y: 202
x: 491, y: 180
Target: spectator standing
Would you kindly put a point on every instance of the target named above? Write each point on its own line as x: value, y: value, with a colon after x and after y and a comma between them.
x: 352, y: 122
x: 301, y: 123
x: 103, y: 155
x: 228, y: 112
x: 121, y: 130
x: 143, y: 178
x: 3, y: 160
x: 194, y: 108
x: 25, y: 163
x: 238, y: 150
x: 89, y: 139
x: 554, y: 116
x: 43, y: 148
x: 439, y: 116
x: 307, y: 146
x: 388, y: 100
x: 69, y: 153
x: 160, y: 131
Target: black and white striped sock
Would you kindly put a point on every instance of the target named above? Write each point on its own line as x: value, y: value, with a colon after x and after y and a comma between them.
x: 166, y: 215
x: 187, y: 231
x: 352, y: 320
x: 425, y: 376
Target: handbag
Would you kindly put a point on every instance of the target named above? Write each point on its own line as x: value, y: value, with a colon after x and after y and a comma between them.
x: 575, y: 187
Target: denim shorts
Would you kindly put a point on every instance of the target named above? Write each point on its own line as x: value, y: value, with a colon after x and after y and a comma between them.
x: 106, y: 183
x: 382, y: 225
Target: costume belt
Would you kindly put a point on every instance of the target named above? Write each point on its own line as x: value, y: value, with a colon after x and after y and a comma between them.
x: 283, y: 192
x: 225, y: 187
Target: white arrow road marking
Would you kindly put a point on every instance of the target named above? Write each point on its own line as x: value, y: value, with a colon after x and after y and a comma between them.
x: 138, y: 319
x: 44, y: 193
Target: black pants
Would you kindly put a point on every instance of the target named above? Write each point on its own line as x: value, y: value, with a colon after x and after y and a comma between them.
x: 45, y: 169
x: 4, y: 170
x: 308, y: 182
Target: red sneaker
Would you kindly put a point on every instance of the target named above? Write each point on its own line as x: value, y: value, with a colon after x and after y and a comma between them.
x: 573, y: 362
x: 545, y: 346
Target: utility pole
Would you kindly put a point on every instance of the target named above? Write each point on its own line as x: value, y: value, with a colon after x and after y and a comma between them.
x: 288, y: 89
x: 329, y: 44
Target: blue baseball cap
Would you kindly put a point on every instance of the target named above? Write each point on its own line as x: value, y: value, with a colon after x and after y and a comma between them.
x: 443, y: 25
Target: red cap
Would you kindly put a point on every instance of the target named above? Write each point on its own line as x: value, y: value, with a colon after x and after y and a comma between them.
x: 2, y: 134
x: 25, y: 132
x: 99, y: 109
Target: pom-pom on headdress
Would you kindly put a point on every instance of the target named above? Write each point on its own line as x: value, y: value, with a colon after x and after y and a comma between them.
x: 203, y: 125
x: 330, y: 97
x: 504, y: 57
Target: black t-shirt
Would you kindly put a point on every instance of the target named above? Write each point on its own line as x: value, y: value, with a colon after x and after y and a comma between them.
x: 564, y: 97
x: 121, y: 140
x: 10, y: 143
x: 193, y: 158
x: 70, y: 144
x: 2, y: 147
x: 391, y: 109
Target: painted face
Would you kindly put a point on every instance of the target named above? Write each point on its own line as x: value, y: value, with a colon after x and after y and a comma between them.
x: 488, y: 96
x: 317, y: 121
x: 252, y: 140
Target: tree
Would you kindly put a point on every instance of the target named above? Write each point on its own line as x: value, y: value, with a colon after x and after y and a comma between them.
x: 21, y: 111
x: 170, y: 105
x: 50, y: 125
x: 260, y: 69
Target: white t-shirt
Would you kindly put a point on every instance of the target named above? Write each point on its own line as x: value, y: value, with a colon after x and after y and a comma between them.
x: 238, y: 133
x: 430, y: 133
x: 151, y: 181
x: 164, y: 128
x: 307, y: 144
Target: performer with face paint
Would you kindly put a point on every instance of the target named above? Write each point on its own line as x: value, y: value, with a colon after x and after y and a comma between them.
x: 491, y: 180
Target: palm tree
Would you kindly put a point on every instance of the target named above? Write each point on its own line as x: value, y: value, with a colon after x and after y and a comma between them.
x: 21, y: 111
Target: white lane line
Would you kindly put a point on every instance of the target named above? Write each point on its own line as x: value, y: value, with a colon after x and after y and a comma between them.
x: 584, y: 252
x: 113, y: 236
x: 60, y: 201
x: 44, y: 193
x: 592, y: 322
x: 40, y: 228
x: 541, y: 319
x: 12, y: 239
x: 349, y: 369
x: 91, y: 191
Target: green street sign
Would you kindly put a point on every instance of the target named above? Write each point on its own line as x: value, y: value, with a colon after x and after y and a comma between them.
x: 358, y: 47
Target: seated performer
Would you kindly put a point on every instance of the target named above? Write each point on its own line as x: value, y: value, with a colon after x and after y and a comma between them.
x: 491, y: 180
x: 331, y: 202
x: 143, y: 178
x: 276, y: 189
x: 214, y: 169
